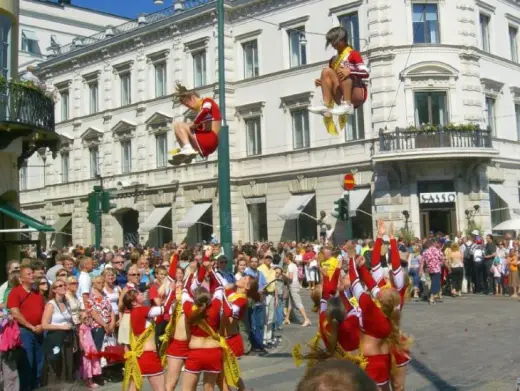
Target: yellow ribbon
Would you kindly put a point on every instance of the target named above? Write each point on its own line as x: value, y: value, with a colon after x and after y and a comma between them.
x: 337, y: 61
x: 169, y: 332
x: 132, y: 370
x: 234, y: 296
x: 230, y: 363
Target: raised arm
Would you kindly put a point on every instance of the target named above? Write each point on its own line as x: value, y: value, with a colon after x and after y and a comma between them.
x: 377, y: 272
x: 204, y: 111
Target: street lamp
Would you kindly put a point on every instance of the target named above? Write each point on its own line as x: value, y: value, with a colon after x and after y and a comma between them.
x: 224, y: 177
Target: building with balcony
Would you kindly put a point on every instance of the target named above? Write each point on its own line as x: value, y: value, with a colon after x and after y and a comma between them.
x: 26, y: 125
x: 45, y: 26
x: 437, y: 140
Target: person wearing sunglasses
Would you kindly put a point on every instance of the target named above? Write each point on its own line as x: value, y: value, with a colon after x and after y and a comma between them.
x: 119, y: 266
x: 123, y: 334
x: 74, y: 303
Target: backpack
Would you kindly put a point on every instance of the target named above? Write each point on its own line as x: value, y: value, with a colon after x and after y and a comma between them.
x: 468, y: 252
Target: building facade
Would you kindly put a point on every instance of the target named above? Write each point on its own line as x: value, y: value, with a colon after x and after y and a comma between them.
x: 47, y: 25
x: 434, y: 148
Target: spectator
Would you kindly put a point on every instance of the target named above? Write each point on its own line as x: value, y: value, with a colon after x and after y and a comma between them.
x: 42, y: 286
x: 72, y: 300
x: 84, y: 282
x: 294, y: 290
x: 433, y: 259
x: 51, y: 273
x: 336, y: 375
x: 455, y: 264
x: 111, y: 290
x: 13, y: 273
x: 279, y: 298
x: 269, y: 294
x: 121, y: 277
x: 226, y: 276
x: 490, y: 252
x: 27, y: 309
x: 513, y: 270
x: 413, y: 270
x: 68, y: 264
x: 257, y: 313
x: 240, y: 268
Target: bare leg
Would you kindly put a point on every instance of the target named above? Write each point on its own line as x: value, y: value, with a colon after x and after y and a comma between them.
x: 131, y: 387
x: 329, y: 86
x: 346, y: 89
x: 189, y: 381
x: 209, y: 380
x: 182, y: 133
x: 157, y: 382
x: 398, y: 378
x: 174, y: 372
x: 385, y: 387
x: 221, y: 381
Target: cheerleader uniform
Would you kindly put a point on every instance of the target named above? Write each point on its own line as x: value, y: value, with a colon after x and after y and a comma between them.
x: 348, y: 329
x: 372, y: 322
x: 235, y: 306
x: 204, y: 359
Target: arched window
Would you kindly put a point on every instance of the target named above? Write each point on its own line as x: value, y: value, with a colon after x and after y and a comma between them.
x: 5, y: 40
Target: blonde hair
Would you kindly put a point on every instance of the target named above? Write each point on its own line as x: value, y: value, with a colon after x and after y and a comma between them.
x: 455, y: 247
x: 390, y: 302
x: 52, y: 295
x: 182, y: 93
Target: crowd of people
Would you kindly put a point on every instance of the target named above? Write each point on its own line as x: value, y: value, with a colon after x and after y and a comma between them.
x: 80, y: 313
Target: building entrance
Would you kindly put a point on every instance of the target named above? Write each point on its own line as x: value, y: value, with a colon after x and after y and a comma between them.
x: 437, y: 205
x: 438, y: 220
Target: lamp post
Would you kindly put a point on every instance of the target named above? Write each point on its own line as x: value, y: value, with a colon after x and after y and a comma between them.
x: 224, y: 177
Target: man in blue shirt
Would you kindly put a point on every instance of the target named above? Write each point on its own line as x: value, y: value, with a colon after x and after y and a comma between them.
x: 226, y: 276
x: 257, y: 313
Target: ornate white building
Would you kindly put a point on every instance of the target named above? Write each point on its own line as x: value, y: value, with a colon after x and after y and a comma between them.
x: 438, y: 62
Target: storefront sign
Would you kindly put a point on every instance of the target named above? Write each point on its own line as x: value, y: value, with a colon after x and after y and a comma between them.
x: 437, y: 198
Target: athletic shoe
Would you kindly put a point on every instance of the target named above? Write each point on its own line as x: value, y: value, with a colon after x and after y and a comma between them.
x: 342, y: 109
x: 321, y: 110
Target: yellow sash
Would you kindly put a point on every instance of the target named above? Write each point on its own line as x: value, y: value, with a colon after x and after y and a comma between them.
x: 339, y: 58
x: 132, y: 370
x: 169, y: 332
x: 231, y: 367
x: 232, y: 297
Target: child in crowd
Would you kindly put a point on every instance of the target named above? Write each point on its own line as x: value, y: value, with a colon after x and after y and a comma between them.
x: 91, y: 365
x: 279, y: 302
x: 498, y: 270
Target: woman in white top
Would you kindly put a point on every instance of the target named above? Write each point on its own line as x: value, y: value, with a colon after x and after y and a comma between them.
x: 111, y: 290
x: 241, y: 268
x: 61, y: 340
x: 72, y: 300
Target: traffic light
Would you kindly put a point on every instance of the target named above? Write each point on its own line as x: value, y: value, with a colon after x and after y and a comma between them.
x: 341, y: 209
x: 106, y: 205
x: 92, y: 207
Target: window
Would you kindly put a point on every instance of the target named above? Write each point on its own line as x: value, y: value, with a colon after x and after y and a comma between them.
x: 355, y: 125
x: 5, y: 39
x: 300, y: 125
x: 490, y: 108
x: 350, y: 22
x: 94, y: 162
x: 161, y: 142
x: 126, y: 91
x: 484, y: 32
x: 64, y: 167
x: 199, y: 69
x: 250, y: 59
x: 254, y: 138
x: 64, y: 105
x: 30, y: 42
x: 93, y: 97
x: 160, y: 80
x: 297, y: 47
x: 425, y: 23
x: 126, y: 157
x: 517, y: 116
x: 430, y: 108
x: 513, y: 32
x: 257, y: 222
x: 23, y: 176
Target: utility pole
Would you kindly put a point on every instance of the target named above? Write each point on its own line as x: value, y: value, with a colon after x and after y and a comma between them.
x: 224, y: 177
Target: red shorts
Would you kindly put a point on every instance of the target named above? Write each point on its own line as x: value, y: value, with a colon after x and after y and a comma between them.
x: 378, y: 368
x: 150, y: 364
x: 178, y: 349
x: 401, y: 357
x: 208, y: 141
x: 365, y: 96
x: 204, y: 360
x: 236, y: 344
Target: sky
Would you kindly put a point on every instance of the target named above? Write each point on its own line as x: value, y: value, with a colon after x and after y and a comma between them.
x: 127, y: 8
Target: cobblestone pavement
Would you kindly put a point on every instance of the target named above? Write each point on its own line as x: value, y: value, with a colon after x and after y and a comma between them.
x: 466, y: 343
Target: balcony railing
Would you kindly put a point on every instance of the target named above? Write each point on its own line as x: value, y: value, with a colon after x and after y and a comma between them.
x: 402, y: 140
x: 23, y: 107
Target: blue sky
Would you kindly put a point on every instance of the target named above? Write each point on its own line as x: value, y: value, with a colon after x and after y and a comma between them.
x: 127, y: 8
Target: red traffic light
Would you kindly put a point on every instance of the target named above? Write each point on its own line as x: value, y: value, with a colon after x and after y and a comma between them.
x: 348, y: 182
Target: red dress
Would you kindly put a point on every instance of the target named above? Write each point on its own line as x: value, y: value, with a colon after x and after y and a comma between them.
x: 207, y: 139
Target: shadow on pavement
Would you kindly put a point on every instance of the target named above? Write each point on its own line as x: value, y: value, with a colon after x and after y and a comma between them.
x: 436, y: 381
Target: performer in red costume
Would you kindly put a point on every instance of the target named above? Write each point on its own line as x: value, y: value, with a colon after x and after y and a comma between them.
x: 398, y: 282
x: 202, y: 310
x: 200, y: 137
x: 142, y: 359
x: 379, y: 323
x: 342, y: 82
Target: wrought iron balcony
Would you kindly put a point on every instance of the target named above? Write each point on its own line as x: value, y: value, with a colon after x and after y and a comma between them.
x: 433, y: 142
x: 26, y: 112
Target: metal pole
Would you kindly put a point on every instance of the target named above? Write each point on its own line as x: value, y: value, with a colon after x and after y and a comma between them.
x: 224, y: 177
x: 348, y: 222
x: 98, y: 225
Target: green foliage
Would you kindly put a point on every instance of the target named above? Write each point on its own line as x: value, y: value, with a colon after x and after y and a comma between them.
x: 469, y: 127
x: 472, y: 226
x: 406, y: 234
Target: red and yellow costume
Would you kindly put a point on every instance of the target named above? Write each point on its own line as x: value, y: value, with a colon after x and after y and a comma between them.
x: 352, y: 60
x: 207, y: 139
x: 235, y: 306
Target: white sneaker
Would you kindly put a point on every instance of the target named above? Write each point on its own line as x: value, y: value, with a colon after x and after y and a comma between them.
x: 319, y: 109
x: 188, y: 150
x: 344, y: 108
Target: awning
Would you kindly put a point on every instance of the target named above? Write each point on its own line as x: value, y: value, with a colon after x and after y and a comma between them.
x: 357, y: 196
x: 506, y: 195
x: 255, y: 200
x: 508, y: 225
x: 194, y: 214
x: 154, y: 219
x: 295, y: 206
x: 29, y: 35
x: 24, y: 219
x: 61, y: 223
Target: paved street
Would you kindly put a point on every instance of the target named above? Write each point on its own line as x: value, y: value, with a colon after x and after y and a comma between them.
x: 466, y: 343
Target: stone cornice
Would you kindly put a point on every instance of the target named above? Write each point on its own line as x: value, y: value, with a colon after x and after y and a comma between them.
x: 248, y: 36
x: 345, y: 8
x: 486, y: 6
x: 513, y: 18
x: 296, y: 101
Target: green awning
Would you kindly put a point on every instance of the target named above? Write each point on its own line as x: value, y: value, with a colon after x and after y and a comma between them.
x: 25, y: 219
